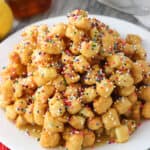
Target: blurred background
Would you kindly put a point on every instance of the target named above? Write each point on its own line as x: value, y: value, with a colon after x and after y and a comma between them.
x: 20, y: 13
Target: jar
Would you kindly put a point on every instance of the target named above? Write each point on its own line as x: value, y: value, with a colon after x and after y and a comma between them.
x: 26, y: 8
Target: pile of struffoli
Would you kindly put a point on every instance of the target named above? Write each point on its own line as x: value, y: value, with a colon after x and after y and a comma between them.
x: 80, y: 81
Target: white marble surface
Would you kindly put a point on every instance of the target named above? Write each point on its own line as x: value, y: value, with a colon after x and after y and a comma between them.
x: 62, y: 7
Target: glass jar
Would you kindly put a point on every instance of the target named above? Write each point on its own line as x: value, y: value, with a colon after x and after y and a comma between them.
x: 26, y: 8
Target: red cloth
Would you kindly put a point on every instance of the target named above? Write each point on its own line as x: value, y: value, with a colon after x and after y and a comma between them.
x: 3, y: 147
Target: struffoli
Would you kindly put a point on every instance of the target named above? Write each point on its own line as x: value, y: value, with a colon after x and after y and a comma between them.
x: 76, y: 83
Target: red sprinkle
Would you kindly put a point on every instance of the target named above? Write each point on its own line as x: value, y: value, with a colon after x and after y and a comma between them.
x: 67, y: 102
x: 68, y: 52
x: 111, y: 141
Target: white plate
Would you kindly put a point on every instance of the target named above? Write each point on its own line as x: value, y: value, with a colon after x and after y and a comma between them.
x: 18, y: 140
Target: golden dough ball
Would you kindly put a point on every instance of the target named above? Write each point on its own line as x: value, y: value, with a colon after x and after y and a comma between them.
x: 137, y: 72
x: 89, y: 49
x: 144, y: 93
x: 18, y: 90
x: 40, y: 58
x: 126, y: 63
x: 80, y: 19
x: 122, y: 105
x: 25, y: 50
x: 20, y: 122
x: 94, y: 123
x: 104, y: 88
x: 94, y: 33
x: 146, y: 110
x: 77, y: 122
x: 107, y: 44
x: 131, y: 124
x: 52, y: 45
x: 59, y: 83
x: 80, y: 64
x: 126, y: 91
x: 28, y: 84
x: 30, y: 33
x: 67, y: 133
x: 72, y: 90
x: 133, y: 97
x: 74, y: 34
x: 43, y: 75
x: 11, y: 114
x: 70, y: 75
x: 64, y: 118
x: 92, y: 75
x: 89, y: 94
x: 122, y: 134
x: 13, y: 71
x: 133, y: 39
x: 31, y: 68
x: 59, y: 29
x: 66, y: 58
x: 124, y: 80
x: 75, y: 48
x: 144, y: 65
x: 140, y: 52
x: 136, y: 111
x: 78, y: 12
x: 102, y: 101
x: 20, y: 105
x: 57, y: 107
x: 74, y: 142
x: 39, y: 110
x: 43, y: 30
x: 73, y: 105
x: 29, y: 117
x: 14, y: 57
x: 128, y: 49
x: 146, y: 79
x: 114, y: 61
x: 3, y: 103
x: 89, y: 138
x: 52, y: 124
x: 110, y: 119
x: 43, y: 93
x: 49, y: 139
x: 108, y: 70
x: 87, y: 112
x: 6, y: 89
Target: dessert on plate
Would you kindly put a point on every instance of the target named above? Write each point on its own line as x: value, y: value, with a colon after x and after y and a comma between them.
x: 76, y: 84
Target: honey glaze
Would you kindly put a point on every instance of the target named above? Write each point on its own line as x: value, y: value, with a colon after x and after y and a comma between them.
x: 26, y: 8
x: 103, y: 140
x: 34, y: 131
